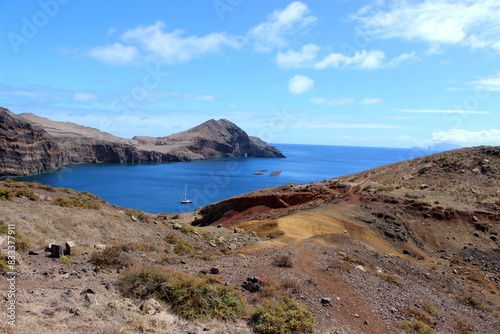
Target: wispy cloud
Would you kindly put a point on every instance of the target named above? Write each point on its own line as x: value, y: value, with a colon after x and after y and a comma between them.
x: 474, y: 24
x: 332, y: 102
x: 279, y: 25
x: 445, y: 111
x: 464, y: 137
x: 371, y: 100
x: 488, y: 84
x: 309, y: 57
x: 115, y: 54
x: 84, y: 97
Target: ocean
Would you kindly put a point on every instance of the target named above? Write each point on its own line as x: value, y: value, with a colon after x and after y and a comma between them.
x: 159, y: 187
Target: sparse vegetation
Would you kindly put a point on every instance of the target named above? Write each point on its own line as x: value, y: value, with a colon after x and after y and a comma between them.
x: 339, y: 265
x: 391, y: 279
x: 188, y: 230
x: 474, y: 302
x: 283, y: 261
x: 429, y: 308
x: 416, y: 326
x: 65, y: 260
x: 282, y: 314
x: 76, y: 202
x: 189, y: 297
x: 111, y: 257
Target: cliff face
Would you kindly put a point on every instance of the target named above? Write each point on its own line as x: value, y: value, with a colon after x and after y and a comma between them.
x: 222, y: 138
x: 31, y: 144
x: 24, y: 149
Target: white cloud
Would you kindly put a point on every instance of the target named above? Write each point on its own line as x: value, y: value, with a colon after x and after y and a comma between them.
x: 364, y: 59
x: 333, y: 102
x: 489, y: 84
x: 84, y: 97
x: 474, y: 24
x: 115, y: 54
x: 371, y: 100
x: 280, y: 24
x: 171, y: 47
x: 300, y: 84
x: 297, y: 59
x: 464, y: 137
x: 307, y: 57
x: 444, y: 111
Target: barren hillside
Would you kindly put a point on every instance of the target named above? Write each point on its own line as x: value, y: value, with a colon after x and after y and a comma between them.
x: 406, y: 248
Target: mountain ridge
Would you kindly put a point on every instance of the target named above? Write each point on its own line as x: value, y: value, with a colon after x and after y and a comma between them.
x: 72, y: 143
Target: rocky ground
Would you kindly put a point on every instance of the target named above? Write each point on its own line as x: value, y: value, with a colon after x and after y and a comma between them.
x: 367, y: 253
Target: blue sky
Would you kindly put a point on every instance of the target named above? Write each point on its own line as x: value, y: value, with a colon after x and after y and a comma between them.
x: 337, y: 72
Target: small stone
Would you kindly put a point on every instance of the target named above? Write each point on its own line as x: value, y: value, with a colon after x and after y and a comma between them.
x: 326, y: 301
x: 215, y: 271
x: 176, y: 226
x: 48, y: 312
x: 356, y: 315
x: 151, y: 307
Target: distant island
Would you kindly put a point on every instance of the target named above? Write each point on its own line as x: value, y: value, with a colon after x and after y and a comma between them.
x: 30, y: 144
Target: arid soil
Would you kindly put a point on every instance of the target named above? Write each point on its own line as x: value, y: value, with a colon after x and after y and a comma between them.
x: 366, y: 253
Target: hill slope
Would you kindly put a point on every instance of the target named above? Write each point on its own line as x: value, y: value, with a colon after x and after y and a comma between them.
x: 409, y: 245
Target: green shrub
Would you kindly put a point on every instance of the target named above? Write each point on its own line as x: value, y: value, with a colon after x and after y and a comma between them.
x: 6, y: 194
x: 183, y: 248
x: 4, y: 266
x: 189, y: 297
x: 27, y: 193
x: 188, y: 230
x: 111, y: 257
x: 483, y: 227
x: 429, y: 308
x: 76, y: 202
x: 65, y: 260
x: 282, y: 315
x: 416, y: 326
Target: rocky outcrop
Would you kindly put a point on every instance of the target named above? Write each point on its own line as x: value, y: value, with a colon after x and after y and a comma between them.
x: 24, y: 149
x: 31, y: 144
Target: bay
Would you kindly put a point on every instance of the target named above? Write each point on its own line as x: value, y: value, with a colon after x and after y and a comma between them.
x: 159, y: 187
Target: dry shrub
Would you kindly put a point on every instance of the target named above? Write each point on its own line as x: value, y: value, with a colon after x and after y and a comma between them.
x: 189, y: 297
x: 76, y: 202
x: 111, y: 257
x: 283, y: 261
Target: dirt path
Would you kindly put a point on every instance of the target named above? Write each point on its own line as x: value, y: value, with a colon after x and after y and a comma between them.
x: 347, y: 305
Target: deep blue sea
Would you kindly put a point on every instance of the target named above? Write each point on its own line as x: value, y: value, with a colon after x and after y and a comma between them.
x: 159, y: 187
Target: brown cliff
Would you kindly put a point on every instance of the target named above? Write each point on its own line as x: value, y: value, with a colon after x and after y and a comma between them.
x: 32, y: 144
x: 24, y: 149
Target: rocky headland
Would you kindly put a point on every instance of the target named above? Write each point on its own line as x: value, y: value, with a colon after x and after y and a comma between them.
x: 31, y: 144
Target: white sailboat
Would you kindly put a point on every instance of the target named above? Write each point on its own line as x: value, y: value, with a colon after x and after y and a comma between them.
x: 185, y: 200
